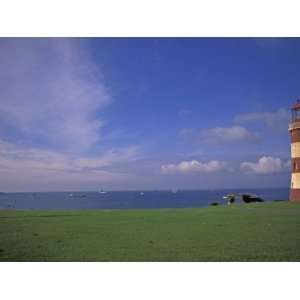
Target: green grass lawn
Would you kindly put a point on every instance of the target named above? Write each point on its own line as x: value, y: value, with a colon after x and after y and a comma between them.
x: 253, y: 232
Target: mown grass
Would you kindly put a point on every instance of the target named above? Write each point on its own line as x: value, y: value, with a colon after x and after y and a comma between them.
x: 253, y: 232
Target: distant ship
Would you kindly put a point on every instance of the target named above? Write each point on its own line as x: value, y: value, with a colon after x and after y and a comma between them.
x: 142, y: 193
x: 77, y: 196
x: 102, y: 192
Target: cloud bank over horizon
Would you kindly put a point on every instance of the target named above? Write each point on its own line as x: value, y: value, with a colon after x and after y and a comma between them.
x: 22, y: 167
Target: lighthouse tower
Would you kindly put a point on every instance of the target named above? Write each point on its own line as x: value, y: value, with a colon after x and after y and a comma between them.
x: 294, y: 129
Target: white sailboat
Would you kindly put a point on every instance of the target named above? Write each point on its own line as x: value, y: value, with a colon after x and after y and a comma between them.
x: 101, y: 191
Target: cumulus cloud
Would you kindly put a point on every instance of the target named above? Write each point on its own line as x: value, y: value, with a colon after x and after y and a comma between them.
x: 265, y: 165
x: 50, y: 91
x: 194, y: 166
x: 221, y: 135
x: 277, y: 120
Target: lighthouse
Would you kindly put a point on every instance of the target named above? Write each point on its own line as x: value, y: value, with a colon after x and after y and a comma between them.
x: 294, y: 129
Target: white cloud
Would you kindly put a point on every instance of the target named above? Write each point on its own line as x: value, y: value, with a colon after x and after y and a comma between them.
x: 194, y: 166
x: 51, y: 91
x: 51, y: 97
x: 277, y: 120
x: 223, y: 135
x: 37, y: 168
x: 14, y: 157
x: 109, y: 158
x: 265, y: 165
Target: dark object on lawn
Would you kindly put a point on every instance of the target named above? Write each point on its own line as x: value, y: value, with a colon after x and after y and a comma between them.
x: 214, y: 203
x: 230, y: 198
x: 251, y: 198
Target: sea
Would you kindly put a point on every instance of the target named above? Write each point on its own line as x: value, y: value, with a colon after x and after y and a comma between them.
x: 129, y: 199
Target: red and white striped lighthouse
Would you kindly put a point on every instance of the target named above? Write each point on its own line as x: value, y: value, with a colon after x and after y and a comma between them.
x: 294, y: 129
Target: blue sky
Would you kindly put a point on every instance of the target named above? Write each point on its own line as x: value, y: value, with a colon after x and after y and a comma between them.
x: 152, y: 113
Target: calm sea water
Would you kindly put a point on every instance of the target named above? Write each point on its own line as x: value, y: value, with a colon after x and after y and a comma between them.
x: 127, y: 199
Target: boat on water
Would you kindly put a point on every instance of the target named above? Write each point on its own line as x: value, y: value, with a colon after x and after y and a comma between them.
x: 142, y: 193
x: 101, y: 191
x: 71, y: 195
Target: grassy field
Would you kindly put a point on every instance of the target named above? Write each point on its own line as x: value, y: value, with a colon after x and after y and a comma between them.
x: 253, y: 232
